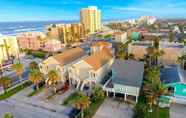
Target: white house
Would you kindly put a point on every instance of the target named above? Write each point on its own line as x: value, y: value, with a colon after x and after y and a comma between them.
x: 61, y: 62
x: 91, y: 69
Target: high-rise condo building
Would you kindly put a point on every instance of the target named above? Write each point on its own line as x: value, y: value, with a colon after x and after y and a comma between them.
x: 67, y: 33
x: 91, y: 19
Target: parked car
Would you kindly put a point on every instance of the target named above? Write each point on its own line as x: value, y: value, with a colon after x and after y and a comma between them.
x: 73, y: 112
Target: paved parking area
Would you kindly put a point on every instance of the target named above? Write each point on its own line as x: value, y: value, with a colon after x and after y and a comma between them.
x: 178, y: 111
x: 114, y: 109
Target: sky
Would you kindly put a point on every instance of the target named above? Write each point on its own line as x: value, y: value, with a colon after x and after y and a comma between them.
x: 46, y: 10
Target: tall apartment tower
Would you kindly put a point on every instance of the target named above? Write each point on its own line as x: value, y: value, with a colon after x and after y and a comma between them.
x: 91, y: 19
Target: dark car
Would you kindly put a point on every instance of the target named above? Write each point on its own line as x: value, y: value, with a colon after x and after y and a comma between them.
x: 73, y: 112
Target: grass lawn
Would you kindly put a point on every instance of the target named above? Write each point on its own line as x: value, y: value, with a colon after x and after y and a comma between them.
x: 36, y: 91
x: 94, y: 106
x: 14, y: 90
x: 70, y: 100
x: 163, y: 113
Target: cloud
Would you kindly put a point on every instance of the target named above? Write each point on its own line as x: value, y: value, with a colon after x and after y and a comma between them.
x: 131, y: 9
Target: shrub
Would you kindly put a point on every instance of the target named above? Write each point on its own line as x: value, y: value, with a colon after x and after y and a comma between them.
x: 39, y: 54
x: 8, y: 115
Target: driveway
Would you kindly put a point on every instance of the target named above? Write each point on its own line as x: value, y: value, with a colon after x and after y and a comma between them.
x: 178, y: 111
x: 114, y: 109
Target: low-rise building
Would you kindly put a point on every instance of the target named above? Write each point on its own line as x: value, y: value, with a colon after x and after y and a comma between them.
x: 139, y: 49
x: 171, y: 52
x: 127, y: 78
x: 52, y: 45
x: 91, y: 69
x: 31, y: 40
x: 120, y: 37
x: 100, y: 45
x: 61, y: 62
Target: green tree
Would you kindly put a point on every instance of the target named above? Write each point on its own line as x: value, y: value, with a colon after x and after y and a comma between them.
x: 122, y: 47
x: 154, y: 88
x: 82, y: 103
x: 181, y: 60
x: 19, y: 68
x: 33, y: 65
x: 36, y: 77
x: 7, y: 48
x: 171, y: 37
x: 154, y: 54
x: 53, y: 79
x: 6, y: 82
x: 8, y: 115
x: 98, y: 94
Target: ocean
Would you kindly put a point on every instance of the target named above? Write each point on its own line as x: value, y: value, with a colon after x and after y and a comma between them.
x: 13, y: 28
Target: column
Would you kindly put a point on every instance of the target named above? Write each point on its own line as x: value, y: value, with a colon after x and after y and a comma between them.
x: 107, y: 92
x: 136, y: 99
x: 114, y: 94
x: 125, y: 97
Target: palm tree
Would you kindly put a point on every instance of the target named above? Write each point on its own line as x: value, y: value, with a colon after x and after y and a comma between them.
x: 19, y: 68
x: 33, y: 65
x: 171, y: 37
x: 82, y: 103
x: 2, y: 49
x: 98, y: 94
x: 6, y: 82
x: 154, y: 88
x: 36, y: 77
x: 7, y: 49
x: 154, y: 54
x: 122, y: 53
x: 53, y: 79
x: 181, y: 60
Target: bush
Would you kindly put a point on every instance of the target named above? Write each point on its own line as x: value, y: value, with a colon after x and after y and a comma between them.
x: 39, y: 54
x: 8, y: 115
x: 141, y: 110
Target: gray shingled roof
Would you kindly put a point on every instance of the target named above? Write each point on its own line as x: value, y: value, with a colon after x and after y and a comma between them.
x: 173, y: 74
x: 128, y: 72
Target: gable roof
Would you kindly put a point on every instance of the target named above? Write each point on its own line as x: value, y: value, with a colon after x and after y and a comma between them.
x: 98, y: 59
x: 128, y: 72
x: 69, y: 55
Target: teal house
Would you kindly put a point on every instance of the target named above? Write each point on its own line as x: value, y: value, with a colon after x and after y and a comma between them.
x: 126, y: 80
x: 136, y: 36
x: 175, y: 78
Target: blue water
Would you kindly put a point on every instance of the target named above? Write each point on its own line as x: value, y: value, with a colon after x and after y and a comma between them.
x: 13, y: 28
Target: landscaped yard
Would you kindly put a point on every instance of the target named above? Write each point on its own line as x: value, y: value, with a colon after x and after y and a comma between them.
x: 15, y: 90
x: 95, y: 100
x: 142, y: 110
x: 94, y: 106
x: 36, y: 91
